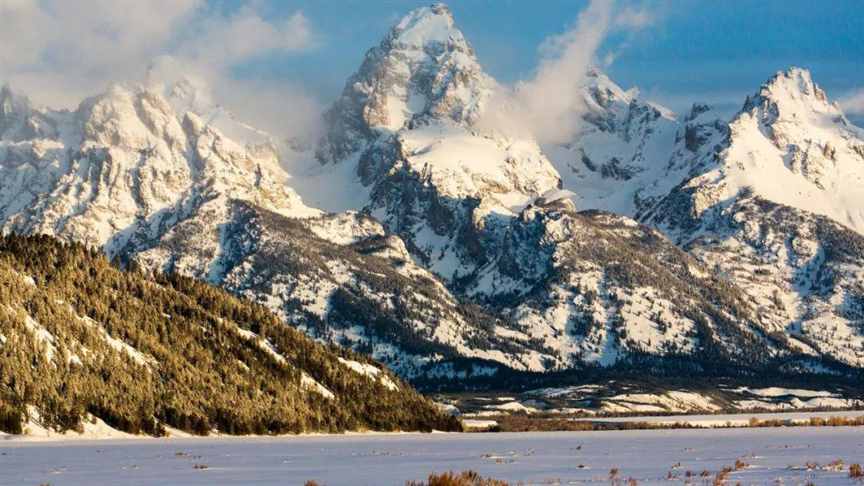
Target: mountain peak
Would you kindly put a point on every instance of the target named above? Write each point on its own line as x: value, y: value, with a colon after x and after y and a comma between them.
x: 795, y: 81
x: 424, y: 71
x: 425, y: 26
x: 19, y: 120
x: 792, y: 94
x: 11, y: 103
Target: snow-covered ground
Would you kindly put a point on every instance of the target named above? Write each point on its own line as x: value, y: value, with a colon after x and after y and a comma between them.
x: 773, y: 456
x: 724, y: 420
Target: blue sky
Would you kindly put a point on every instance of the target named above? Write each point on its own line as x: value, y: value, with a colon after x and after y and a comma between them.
x: 692, y: 50
x: 279, y: 61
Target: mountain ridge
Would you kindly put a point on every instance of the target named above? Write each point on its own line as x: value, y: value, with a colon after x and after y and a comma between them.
x: 454, y: 252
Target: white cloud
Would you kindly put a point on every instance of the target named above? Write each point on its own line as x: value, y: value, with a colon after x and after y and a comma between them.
x: 854, y: 103
x: 65, y: 47
x: 223, y: 41
x: 60, y: 51
x: 550, y: 105
x: 631, y: 18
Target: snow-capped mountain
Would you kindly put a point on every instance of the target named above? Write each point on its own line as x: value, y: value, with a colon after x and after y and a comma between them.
x: 124, y: 167
x: 404, y: 125
x: 517, y: 245
x: 168, y: 190
x: 773, y: 204
x: 423, y: 71
x: 789, y: 144
x: 454, y: 251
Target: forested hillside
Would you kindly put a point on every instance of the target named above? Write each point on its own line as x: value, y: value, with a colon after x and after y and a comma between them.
x: 80, y: 338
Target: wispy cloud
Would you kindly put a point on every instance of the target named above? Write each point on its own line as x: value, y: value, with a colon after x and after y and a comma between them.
x: 550, y: 106
x: 219, y: 42
x: 635, y: 18
x: 853, y: 104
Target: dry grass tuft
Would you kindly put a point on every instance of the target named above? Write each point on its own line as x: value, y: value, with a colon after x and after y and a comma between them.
x: 465, y: 478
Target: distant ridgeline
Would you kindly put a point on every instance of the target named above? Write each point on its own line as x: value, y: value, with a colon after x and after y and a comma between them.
x: 78, y: 337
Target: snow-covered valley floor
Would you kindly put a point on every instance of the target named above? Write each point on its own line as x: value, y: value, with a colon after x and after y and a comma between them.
x: 649, y: 457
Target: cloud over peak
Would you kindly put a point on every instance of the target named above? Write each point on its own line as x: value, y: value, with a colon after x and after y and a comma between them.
x: 549, y: 106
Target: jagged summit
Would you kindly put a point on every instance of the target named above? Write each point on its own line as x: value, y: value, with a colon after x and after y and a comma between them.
x: 793, y: 83
x: 424, y: 71
x: 426, y: 26
x: 793, y: 146
x: 792, y: 95
x: 405, y: 128
x: 773, y: 201
x: 790, y: 144
x: 19, y: 120
x: 617, y: 159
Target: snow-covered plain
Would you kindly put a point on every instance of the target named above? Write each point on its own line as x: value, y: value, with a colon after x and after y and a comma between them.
x: 774, y: 456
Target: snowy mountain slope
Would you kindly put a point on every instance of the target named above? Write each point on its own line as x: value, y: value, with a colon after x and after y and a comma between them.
x: 803, y: 272
x: 601, y: 289
x: 619, y: 159
x: 773, y: 206
x: 341, y: 279
x: 790, y: 145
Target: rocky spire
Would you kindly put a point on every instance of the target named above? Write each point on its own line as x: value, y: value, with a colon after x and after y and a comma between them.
x: 790, y: 95
x: 422, y: 71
